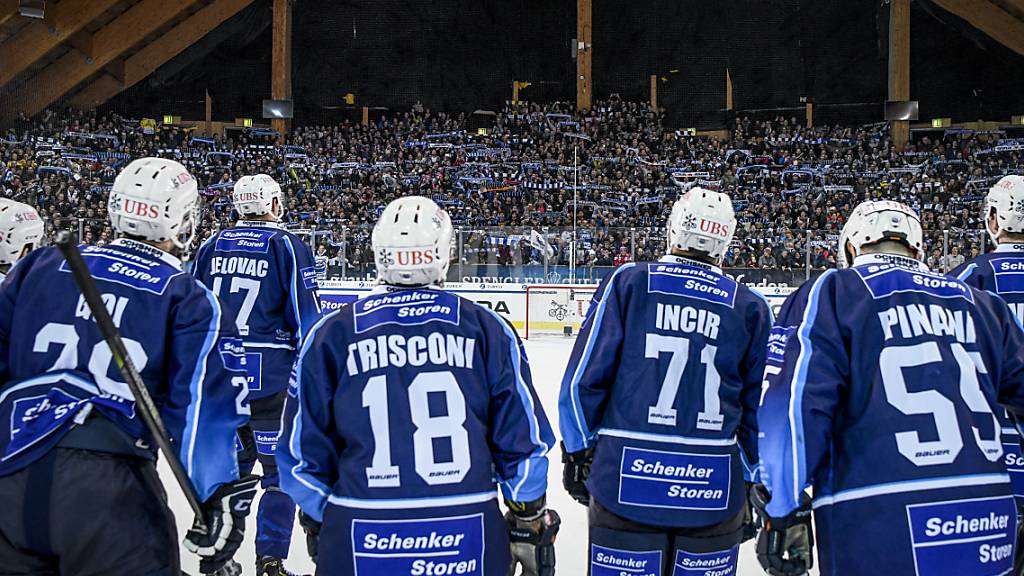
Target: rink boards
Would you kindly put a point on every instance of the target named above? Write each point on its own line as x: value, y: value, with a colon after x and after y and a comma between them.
x: 507, y: 299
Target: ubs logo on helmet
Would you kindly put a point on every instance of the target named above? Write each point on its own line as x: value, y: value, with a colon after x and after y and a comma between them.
x: 26, y: 217
x: 714, y: 228
x: 414, y: 257
x: 137, y: 208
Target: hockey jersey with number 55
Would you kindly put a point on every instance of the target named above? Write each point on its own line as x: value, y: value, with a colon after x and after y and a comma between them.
x: 266, y: 279
x: 883, y: 383
x: 664, y: 382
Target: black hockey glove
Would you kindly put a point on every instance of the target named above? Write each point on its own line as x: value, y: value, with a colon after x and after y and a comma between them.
x: 532, y: 528
x: 575, y: 470
x: 785, y: 545
x: 312, y: 529
x: 750, y: 520
x: 225, y: 514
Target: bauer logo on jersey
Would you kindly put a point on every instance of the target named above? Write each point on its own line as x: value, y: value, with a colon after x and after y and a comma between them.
x: 884, y: 280
x: 683, y: 280
x: 308, y: 277
x: 1009, y: 275
x: 406, y: 308
x: 657, y: 479
x: 419, y: 547
x: 126, y: 269
x: 973, y: 536
x: 777, y: 340
x: 244, y: 240
x: 614, y: 562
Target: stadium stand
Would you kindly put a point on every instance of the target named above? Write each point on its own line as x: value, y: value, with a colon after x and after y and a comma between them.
x: 511, y: 191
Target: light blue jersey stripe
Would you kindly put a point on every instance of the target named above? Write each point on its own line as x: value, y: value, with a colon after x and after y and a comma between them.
x: 311, y: 504
x: 194, y: 411
x: 295, y: 289
x: 595, y: 328
x: 796, y: 417
x: 523, y: 470
x: 967, y: 271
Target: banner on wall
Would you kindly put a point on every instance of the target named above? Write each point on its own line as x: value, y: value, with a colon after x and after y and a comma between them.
x: 507, y: 299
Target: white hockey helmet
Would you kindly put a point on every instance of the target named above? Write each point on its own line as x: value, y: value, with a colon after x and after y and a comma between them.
x: 877, y: 220
x: 155, y: 199
x: 20, y: 226
x: 255, y: 195
x: 1006, y: 201
x: 412, y: 242
x: 702, y: 221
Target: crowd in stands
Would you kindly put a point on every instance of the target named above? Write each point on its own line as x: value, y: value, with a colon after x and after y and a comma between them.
x: 516, y: 190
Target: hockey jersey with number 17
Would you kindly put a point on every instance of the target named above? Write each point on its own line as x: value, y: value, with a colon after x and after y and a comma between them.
x: 664, y: 382
x: 1002, y: 272
x: 882, y: 380
x: 266, y: 278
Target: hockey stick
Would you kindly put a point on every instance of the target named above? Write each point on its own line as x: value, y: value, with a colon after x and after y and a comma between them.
x: 144, y: 402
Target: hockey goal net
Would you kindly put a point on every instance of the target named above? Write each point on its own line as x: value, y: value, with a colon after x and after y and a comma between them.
x: 557, y: 309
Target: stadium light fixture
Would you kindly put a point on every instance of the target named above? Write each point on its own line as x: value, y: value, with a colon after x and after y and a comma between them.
x: 32, y: 8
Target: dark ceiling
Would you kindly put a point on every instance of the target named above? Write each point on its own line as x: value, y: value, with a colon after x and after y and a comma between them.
x: 464, y: 54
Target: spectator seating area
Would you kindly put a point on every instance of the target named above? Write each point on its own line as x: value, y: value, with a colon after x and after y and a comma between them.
x: 516, y: 192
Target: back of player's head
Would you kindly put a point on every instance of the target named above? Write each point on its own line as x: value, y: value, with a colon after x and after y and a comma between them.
x: 157, y: 200
x: 875, y: 221
x: 1005, y: 202
x: 255, y: 195
x: 702, y: 221
x: 20, y: 228
x: 412, y: 242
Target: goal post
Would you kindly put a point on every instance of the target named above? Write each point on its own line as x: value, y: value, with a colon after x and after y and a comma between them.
x: 557, y: 309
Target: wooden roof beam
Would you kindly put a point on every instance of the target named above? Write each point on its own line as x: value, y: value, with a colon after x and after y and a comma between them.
x: 990, y: 19
x: 8, y: 10
x: 71, y: 69
x: 144, y: 62
x: 32, y: 42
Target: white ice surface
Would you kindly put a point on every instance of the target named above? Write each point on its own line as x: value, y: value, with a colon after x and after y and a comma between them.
x: 548, y: 357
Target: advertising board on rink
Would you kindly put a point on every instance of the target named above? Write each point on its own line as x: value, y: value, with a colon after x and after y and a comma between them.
x: 507, y: 299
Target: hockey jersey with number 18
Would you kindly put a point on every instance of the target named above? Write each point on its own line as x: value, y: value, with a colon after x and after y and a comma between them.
x: 411, y: 405
x: 1002, y: 272
x: 882, y: 380
x: 664, y: 382
x: 265, y: 276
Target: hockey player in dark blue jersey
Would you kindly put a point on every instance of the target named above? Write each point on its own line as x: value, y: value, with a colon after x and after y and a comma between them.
x: 882, y: 383
x: 77, y: 469
x: 410, y: 405
x: 1002, y: 271
x: 21, y: 230
x: 265, y: 278
x: 658, y: 406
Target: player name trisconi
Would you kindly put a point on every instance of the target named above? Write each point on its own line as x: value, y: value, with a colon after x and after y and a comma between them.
x: 396, y: 351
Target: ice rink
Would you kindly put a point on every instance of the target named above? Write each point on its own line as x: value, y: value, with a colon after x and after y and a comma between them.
x: 548, y: 357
